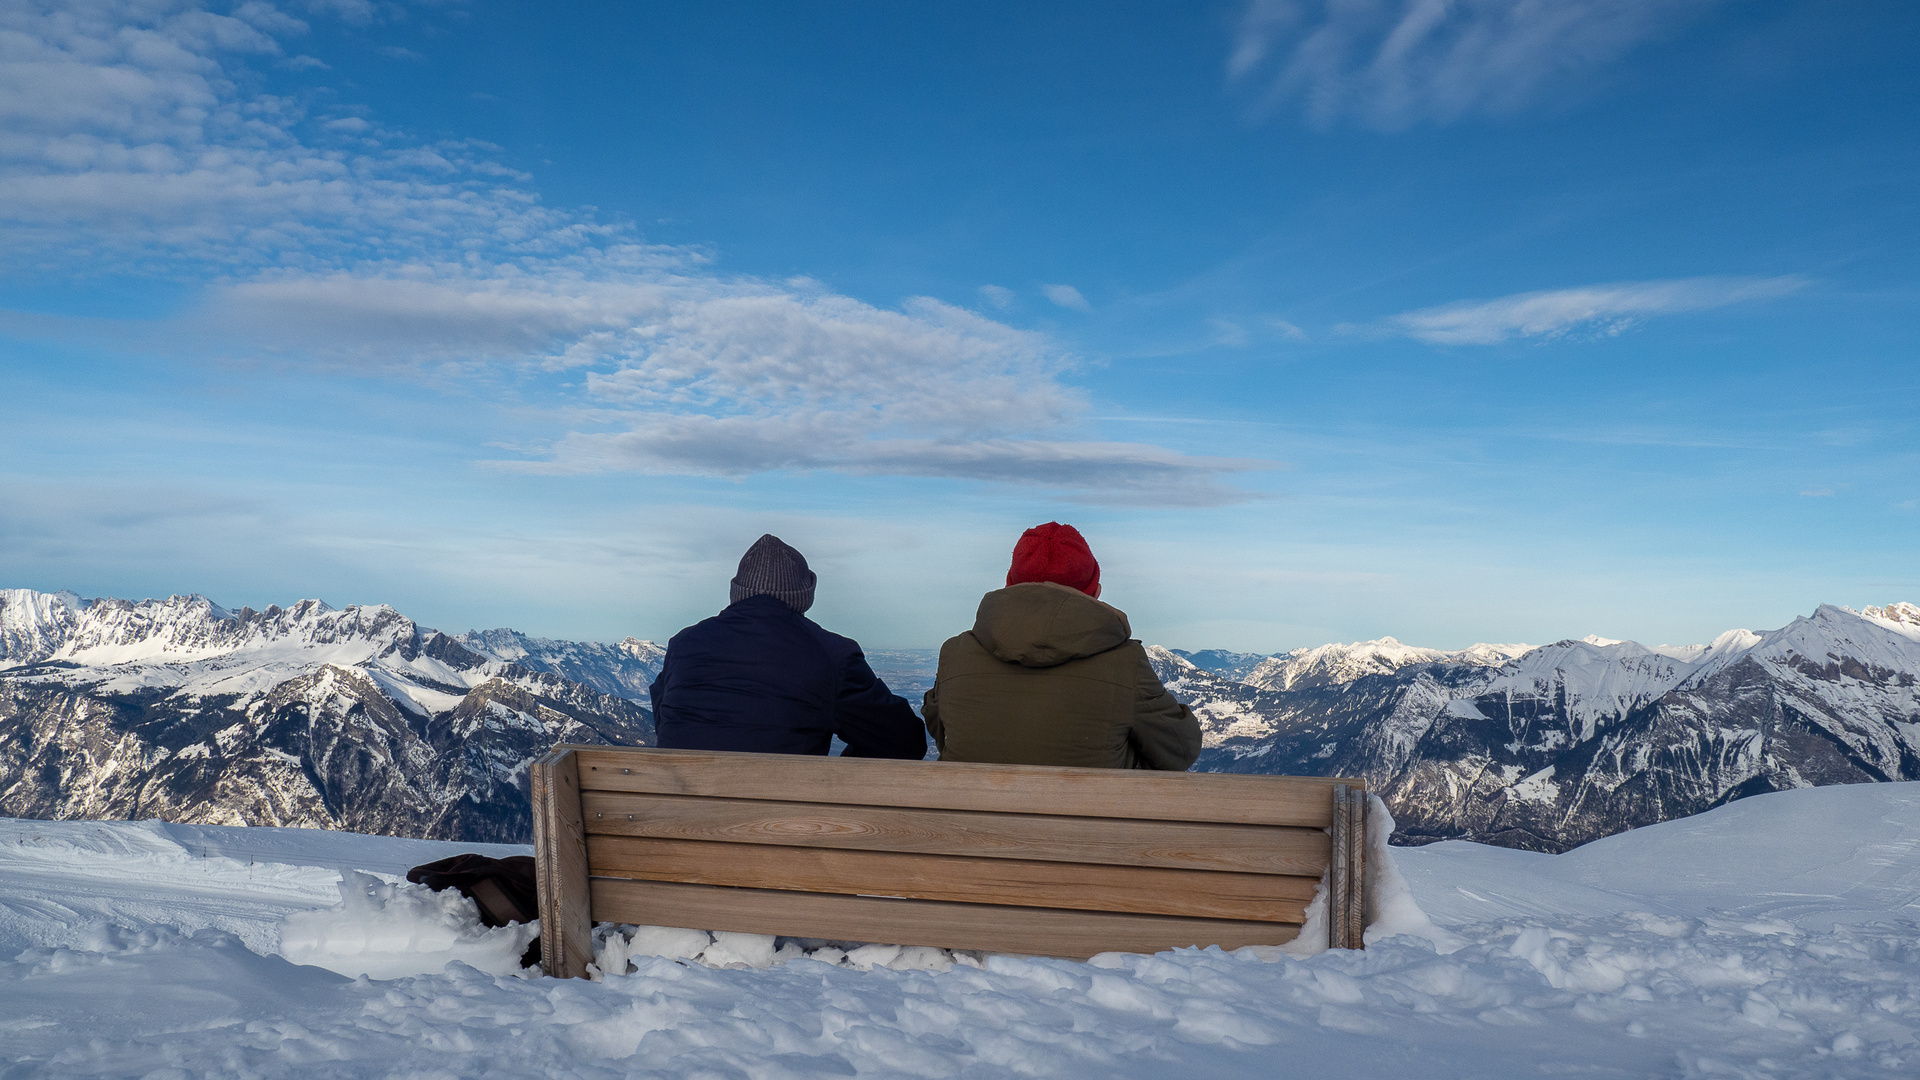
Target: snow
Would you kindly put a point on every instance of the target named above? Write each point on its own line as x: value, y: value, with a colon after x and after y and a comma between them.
x: 1537, y: 787
x: 56, y: 876
x: 1393, y: 910
x: 1813, y: 857
x: 1778, y: 936
x: 386, y: 930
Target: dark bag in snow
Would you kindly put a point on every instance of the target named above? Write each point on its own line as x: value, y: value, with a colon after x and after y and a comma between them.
x: 503, y: 889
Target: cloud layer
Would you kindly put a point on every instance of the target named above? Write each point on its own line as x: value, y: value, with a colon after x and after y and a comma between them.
x: 1603, y: 309
x: 128, y: 141
x: 1392, y: 64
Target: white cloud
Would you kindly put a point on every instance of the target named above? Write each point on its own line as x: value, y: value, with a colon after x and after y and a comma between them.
x: 997, y: 295
x: 1605, y: 309
x: 1096, y: 472
x: 1391, y: 64
x: 1066, y: 296
x: 706, y: 376
x: 127, y: 142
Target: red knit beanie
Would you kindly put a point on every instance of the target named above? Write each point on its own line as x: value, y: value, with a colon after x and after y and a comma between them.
x: 1057, y: 553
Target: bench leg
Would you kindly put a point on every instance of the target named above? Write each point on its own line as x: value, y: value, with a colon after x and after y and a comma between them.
x: 560, y: 856
x: 1347, y: 870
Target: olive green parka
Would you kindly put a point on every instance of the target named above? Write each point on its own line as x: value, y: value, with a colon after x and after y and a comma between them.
x: 1050, y: 676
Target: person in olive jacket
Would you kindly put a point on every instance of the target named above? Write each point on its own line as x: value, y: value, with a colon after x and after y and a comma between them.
x: 763, y: 678
x: 1049, y: 675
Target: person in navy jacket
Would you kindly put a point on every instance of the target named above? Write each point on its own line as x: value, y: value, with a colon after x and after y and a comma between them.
x: 762, y: 677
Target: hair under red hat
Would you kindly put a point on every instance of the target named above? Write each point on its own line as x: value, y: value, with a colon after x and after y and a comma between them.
x: 1057, y: 553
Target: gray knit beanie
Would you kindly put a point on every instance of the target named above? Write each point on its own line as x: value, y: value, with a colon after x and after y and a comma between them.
x: 771, y: 568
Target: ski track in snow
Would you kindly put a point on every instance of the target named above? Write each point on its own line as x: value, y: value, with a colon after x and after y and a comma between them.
x: 1775, y: 937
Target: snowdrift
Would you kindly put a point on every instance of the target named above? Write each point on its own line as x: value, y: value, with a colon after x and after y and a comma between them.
x: 1777, y: 936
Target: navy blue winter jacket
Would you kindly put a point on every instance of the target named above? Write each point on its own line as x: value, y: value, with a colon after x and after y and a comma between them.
x: 764, y: 678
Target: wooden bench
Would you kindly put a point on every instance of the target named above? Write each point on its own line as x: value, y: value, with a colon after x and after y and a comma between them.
x: 1000, y: 858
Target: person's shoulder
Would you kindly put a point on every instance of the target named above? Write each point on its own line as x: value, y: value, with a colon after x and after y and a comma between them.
x: 962, y: 641
x: 839, y: 646
x: 691, y: 633
x: 1128, y: 656
x: 706, y: 628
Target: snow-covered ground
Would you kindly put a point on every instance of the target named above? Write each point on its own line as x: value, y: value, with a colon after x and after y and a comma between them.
x: 1778, y: 937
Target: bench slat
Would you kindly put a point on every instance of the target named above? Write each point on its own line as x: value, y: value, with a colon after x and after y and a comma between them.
x: 1021, y: 882
x: 1178, y: 845
x: 989, y: 927
x: 1304, y: 801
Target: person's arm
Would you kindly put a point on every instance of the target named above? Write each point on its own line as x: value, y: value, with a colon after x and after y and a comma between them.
x: 874, y: 721
x: 930, y: 713
x: 1165, y: 733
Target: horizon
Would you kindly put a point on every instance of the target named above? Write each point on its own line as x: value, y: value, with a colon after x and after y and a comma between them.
x: 1185, y: 649
x: 1323, y: 322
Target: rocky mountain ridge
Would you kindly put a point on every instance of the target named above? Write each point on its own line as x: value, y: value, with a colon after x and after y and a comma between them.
x: 1568, y: 742
x: 625, y: 668
x: 354, y: 718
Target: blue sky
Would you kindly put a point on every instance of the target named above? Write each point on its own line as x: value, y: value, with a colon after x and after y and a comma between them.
x: 1482, y: 320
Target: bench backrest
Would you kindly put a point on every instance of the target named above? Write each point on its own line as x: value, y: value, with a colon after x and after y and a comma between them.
x: 1001, y: 858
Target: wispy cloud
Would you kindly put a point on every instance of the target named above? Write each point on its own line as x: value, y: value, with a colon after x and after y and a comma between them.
x: 700, y: 375
x: 1108, y: 473
x: 1603, y: 309
x: 1066, y: 296
x: 127, y: 141
x: 1392, y: 64
x: 998, y: 295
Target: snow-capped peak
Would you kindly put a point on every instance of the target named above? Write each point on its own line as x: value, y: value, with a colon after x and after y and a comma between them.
x: 1161, y: 655
x: 1839, y: 636
x: 33, y: 624
x: 1902, y: 615
x: 623, y: 669
x: 646, y: 652
x: 1490, y: 654
x: 1344, y: 663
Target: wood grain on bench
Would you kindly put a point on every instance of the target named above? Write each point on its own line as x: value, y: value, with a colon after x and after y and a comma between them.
x: 1032, y: 931
x: 1184, y: 845
x: 1006, y: 858
x: 1305, y: 801
x: 1090, y: 887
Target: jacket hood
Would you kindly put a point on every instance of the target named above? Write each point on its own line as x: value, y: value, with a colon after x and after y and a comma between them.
x: 1041, y: 625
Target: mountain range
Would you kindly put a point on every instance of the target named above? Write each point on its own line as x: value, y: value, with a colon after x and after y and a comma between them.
x: 1548, y: 747
x: 359, y: 718
x: 351, y: 718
